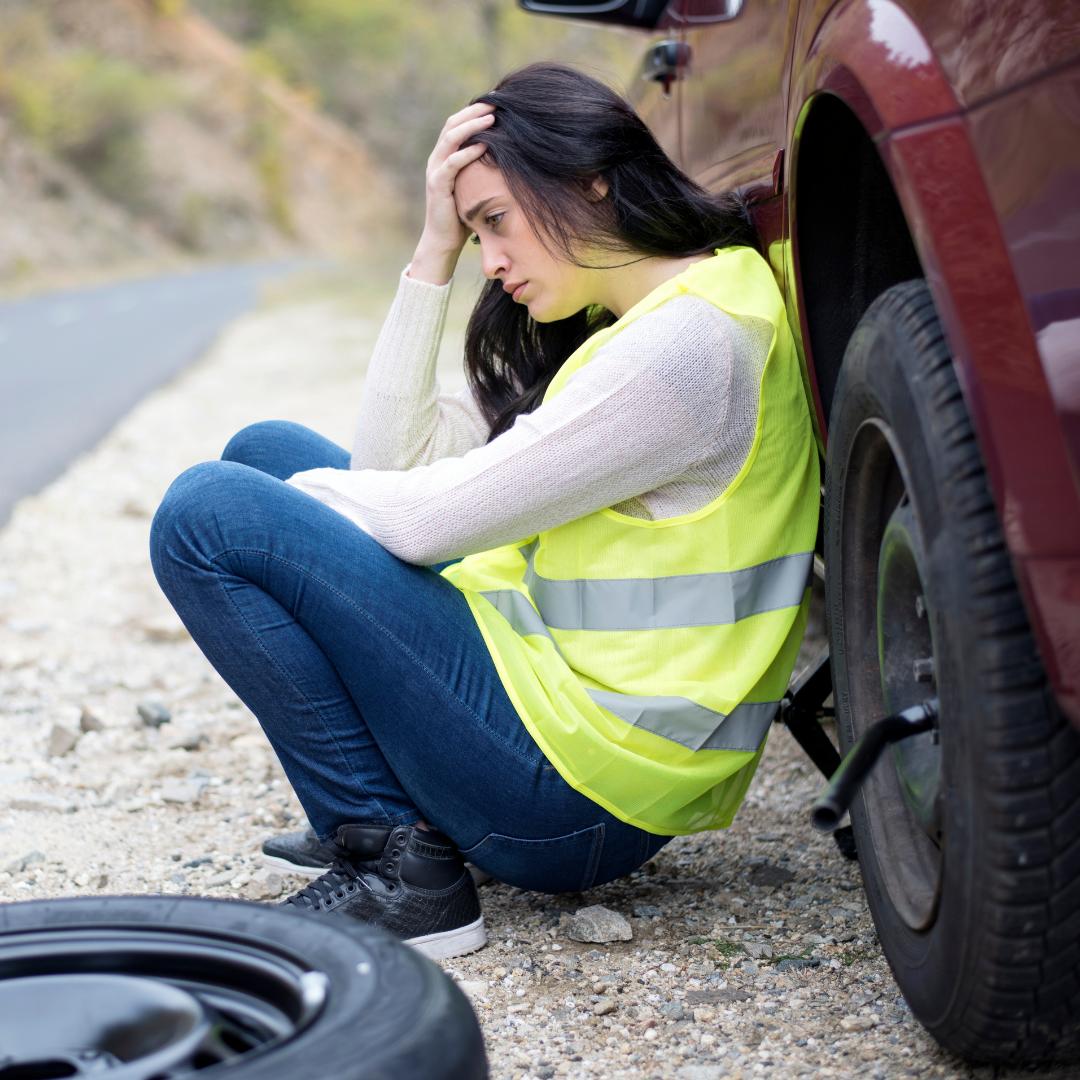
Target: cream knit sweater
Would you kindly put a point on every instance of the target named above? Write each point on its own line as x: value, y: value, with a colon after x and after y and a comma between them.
x: 657, y: 424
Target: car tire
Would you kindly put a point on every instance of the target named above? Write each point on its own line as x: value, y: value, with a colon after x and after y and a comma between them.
x: 350, y: 1002
x: 969, y: 836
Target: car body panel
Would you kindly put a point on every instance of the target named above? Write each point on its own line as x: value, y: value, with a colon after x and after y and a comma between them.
x: 872, y: 54
x: 660, y: 112
x: 1028, y: 144
x: 987, y: 46
x: 967, y: 263
x: 734, y: 100
x: 954, y: 188
x: 974, y: 107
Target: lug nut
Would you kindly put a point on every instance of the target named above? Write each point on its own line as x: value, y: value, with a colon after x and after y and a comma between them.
x: 924, y: 669
x: 920, y: 606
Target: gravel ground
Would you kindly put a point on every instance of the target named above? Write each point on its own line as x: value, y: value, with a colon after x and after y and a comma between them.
x: 752, y: 955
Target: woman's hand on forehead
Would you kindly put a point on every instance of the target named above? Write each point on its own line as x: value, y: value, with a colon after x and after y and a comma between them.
x: 444, y: 233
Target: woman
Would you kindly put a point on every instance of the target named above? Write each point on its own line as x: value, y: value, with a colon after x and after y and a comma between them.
x: 543, y: 624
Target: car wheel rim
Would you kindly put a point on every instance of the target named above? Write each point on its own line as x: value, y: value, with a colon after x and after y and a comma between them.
x: 144, y: 1004
x: 888, y: 627
x: 906, y: 656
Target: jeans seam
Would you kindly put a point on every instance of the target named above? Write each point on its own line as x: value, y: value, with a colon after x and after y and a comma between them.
x: 273, y: 660
x: 400, y: 645
x: 382, y: 629
x: 594, y: 856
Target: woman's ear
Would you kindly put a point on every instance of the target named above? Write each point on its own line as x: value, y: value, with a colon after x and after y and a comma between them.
x: 596, y: 188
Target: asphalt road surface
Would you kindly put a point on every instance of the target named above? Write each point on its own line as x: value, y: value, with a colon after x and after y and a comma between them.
x: 73, y: 363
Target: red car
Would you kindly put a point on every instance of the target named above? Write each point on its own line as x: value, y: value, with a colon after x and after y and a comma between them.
x: 915, y: 170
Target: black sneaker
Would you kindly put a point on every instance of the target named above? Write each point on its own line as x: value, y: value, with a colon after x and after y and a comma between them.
x: 299, y: 853
x: 412, y: 883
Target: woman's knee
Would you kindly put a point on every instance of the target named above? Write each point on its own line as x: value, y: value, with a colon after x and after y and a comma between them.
x: 281, y: 448
x: 253, y: 444
x: 189, y: 505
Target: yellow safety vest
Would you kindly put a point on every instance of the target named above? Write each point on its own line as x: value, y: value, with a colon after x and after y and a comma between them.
x: 647, y: 658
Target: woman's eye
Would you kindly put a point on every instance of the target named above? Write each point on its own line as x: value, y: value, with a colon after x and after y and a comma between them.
x: 475, y: 239
x: 494, y: 221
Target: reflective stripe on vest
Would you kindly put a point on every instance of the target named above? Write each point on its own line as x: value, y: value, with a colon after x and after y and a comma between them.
x: 690, y: 724
x: 676, y: 718
x: 716, y: 599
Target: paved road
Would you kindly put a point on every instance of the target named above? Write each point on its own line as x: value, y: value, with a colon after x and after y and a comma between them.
x: 73, y: 363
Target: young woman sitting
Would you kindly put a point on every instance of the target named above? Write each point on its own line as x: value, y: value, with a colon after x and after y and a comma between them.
x: 541, y: 625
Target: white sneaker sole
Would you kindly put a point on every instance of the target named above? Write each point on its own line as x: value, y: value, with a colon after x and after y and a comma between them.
x: 457, y: 942
x: 275, y: 862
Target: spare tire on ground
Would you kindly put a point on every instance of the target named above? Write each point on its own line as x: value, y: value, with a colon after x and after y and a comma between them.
x: 157, y: 988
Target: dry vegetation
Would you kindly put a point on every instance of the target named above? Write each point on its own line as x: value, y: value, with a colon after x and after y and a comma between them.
x: 132, y: 130
x: 152, y: 131
x: 393, y: 72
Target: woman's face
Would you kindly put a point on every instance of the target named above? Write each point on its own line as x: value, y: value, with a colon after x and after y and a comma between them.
x: 550, y: 287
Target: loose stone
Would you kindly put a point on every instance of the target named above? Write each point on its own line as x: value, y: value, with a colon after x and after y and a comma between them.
x: 599, y: 924
x: 31, y: 858
x: 857, y: 1023
x: 61, y: 740
x: 153, y: 713
x: 89, y: 722
x: 264, y: 885
x: 43, y: 802
x: 174, y: 790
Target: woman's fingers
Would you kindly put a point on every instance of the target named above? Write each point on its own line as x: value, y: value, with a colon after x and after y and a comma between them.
x: 472, y: 115
x: 442, y: 180
x: 470, y: 112
x: 452, y: 138
x: 444, y: 176
x: 457, y: 135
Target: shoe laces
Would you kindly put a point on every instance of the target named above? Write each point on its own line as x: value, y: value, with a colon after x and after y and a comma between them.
x: 343, y: 877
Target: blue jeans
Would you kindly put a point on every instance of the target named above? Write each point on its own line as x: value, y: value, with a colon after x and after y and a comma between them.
x: 368, y: 674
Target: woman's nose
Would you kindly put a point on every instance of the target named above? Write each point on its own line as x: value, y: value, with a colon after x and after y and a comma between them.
x: 493, y: 263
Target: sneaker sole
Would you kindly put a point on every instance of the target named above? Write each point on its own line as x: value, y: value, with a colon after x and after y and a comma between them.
x: 276, y: 862
x: 456, y: 942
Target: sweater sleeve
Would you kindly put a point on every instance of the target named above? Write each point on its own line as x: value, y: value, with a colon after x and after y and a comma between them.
x: 404, y: 420
x: 651, y: 403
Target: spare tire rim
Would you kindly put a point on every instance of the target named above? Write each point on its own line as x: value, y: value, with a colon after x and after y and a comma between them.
x: 145, y: 1005
x: 903, y: 795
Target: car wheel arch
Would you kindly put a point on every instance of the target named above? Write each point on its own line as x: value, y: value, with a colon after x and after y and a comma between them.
x: 842, y: 260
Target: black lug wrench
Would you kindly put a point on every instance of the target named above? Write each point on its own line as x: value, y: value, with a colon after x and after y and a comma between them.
x: 833, y: 803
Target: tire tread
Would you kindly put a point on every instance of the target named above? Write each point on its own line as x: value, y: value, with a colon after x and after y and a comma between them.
x: 1025, y: 1001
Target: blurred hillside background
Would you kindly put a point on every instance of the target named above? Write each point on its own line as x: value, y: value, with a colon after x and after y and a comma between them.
x: 141, y: 134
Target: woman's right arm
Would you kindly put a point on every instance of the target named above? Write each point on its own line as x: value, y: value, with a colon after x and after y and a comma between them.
x: 404, y: 420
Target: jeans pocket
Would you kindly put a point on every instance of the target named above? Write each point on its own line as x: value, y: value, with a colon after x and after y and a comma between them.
x: 560, y: 864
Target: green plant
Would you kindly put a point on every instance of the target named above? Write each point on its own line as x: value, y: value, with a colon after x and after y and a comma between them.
x: 394, y: 72
x: 728, y: 948
x: 791, y: 956
x: 272, y: 170
x: 79, y: 104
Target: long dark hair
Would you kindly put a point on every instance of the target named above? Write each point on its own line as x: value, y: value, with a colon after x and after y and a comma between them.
x: 556, y: 130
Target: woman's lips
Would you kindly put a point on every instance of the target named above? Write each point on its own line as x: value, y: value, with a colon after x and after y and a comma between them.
x: 518, y: 291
